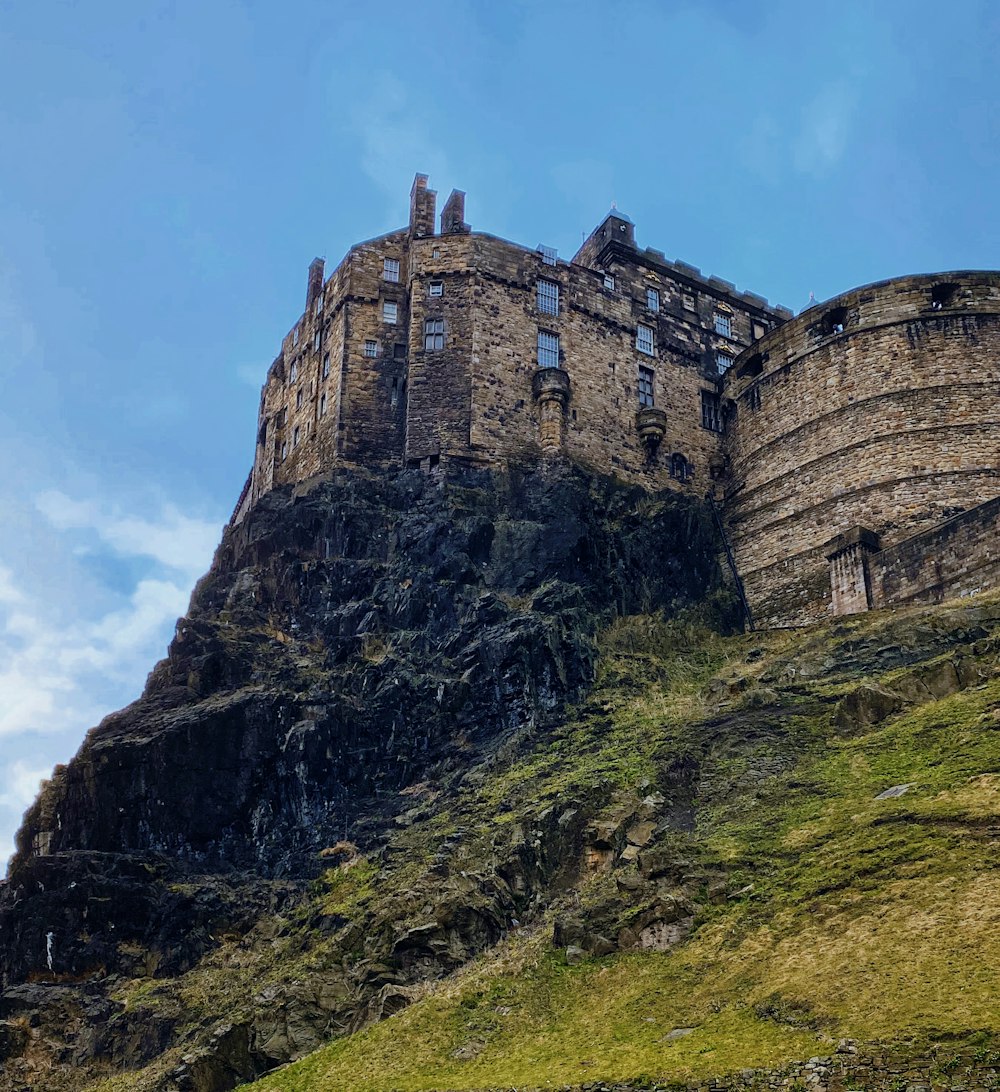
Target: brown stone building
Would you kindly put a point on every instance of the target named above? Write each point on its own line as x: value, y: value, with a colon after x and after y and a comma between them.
x: 876, y: 412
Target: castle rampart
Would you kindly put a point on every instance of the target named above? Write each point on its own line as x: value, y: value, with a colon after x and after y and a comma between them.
x: 879, y: 409
x: 875, y: 412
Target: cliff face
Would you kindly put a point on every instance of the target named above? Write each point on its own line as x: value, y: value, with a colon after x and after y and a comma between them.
x: 356, y: 645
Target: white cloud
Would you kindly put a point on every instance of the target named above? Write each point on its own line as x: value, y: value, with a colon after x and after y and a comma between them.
x: 172, y: 539
x: 19, y: 784
x: 825, y: 129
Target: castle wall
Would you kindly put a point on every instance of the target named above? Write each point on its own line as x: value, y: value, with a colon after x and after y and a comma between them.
x: 877, y: 408
x: 958, y: 557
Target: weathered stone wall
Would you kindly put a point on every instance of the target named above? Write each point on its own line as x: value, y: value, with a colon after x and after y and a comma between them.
x: 470, y: 399
x: 878, y: 408
x: 958, y: 557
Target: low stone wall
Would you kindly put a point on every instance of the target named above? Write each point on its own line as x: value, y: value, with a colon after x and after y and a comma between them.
x: 958, y: 557
x: 861, y: 1067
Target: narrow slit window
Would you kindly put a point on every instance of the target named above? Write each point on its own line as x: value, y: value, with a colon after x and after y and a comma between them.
x: 645, y: 386
x: 548, y: 349
x: 711, y: 411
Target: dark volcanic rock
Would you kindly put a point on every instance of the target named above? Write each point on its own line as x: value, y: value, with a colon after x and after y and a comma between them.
x: 354, y: 636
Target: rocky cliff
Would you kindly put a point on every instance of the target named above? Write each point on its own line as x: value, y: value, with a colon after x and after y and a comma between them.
x: 185, y: 905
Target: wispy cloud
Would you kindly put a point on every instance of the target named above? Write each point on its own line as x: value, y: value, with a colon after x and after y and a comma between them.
x: 825, y: 128
x: 396, y: 137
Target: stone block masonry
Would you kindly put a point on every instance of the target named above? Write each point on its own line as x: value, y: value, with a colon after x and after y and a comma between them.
x: 451, y: 348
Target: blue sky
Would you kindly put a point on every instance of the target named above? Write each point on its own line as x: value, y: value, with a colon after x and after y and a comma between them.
x: 168, y: 170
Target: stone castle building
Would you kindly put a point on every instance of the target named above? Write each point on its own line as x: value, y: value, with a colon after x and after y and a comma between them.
x: 854, y: 451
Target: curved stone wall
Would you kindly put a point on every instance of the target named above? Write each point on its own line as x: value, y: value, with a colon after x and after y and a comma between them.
x: 881, y: 408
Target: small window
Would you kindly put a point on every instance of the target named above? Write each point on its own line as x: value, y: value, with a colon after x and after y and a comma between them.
x: 723, y: 324
x: 689, y: 302
x: 394, y: 394
x: 711, y: 411
x: 390, y: 269
x: 548, y: 254
x: 435, y: 253
x: 318, y: 338
x: 680, y: 468
x: 645, y: 386
x: 399, y: 351
x: 609, y: 282
x: 326, y: 365
x: 759, y: 330
x: 723, y: 362
x: 548, y: 349
x: 284, y: 450
x: 390, y: 312
x: 436, y: 289
x: 293, y: 372
x: 295, y: 436
x: 295, y: 336
x: 371, y: 347
x: 652, y: 299
x: 752, y: 398
x: 298, y: 399
x: 547, y: 295
x: 644, y: 339
x: 834, y: 321
x: 322, y: 404
x: 433, y: 335
x: 942, y: 296
x: 319, y: 304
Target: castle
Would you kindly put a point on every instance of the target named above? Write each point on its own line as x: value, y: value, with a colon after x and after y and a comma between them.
x: 854, y: 451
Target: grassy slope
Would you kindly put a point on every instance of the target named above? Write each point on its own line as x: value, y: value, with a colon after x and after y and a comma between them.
x: 867, y: 918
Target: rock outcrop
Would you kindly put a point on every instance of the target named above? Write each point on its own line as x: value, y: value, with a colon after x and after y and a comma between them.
x: 359, y: 642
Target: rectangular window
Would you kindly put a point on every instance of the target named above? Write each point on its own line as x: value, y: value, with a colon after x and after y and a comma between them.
x: 548, y: 254
x: 547, y: 297
x: 609, y: 282
x: 645, y: 386
x: 711, y: 411
x: 295, y: 336
x: 548, y: 349
x: 759, y: 330
x: 371, y: 347
x: 723, y: 362
x: 318, y: 338
x: 652, y: 299
x: 319, y: 304
x: 433, y: 335
x: 399, y: 351
x: 644, y: 339
x: 326, y: 365
x: 298, y: 399
x: 284, y: 450
x: 390, y: 269
x: 295, y: 436
x: 689, y: 304
x: 322, y: 404
x: 389, y: 312
x: 723, y: 324
x: 293, y: 372
x: 436, y: 289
